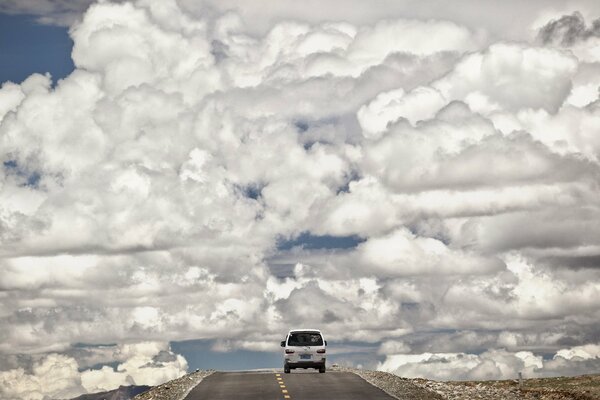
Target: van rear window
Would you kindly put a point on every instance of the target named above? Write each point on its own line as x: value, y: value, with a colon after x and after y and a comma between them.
x: 305, y: 339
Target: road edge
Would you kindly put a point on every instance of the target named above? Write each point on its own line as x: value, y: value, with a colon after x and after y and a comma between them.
x: 187, y: 392
x: 430, y: 394
x: 176, y: 389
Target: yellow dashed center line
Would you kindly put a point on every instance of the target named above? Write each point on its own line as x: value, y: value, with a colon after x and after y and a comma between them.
x: 282, y: 387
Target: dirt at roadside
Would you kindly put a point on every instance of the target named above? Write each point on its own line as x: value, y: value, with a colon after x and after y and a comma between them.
x: 176, y: 389
x: 401, y: 388
x: 586, y: 387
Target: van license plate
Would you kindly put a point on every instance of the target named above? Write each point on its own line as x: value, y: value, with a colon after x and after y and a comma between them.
x: 305, y: 356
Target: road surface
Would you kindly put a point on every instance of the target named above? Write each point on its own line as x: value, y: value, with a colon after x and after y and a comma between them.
x: 294, y: 386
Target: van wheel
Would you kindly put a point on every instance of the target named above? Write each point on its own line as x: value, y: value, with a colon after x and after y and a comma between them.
x: 286, y: 370
x: 322, y: 370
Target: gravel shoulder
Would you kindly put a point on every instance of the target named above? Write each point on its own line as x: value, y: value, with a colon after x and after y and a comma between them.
x: 176, y: 389
x: 401, y: 388
x: 585, y: 387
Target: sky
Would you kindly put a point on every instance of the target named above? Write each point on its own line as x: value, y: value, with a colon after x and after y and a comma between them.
x: 183, y: 182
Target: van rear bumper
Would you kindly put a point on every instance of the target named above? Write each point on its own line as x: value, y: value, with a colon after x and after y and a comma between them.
x: 305, y: 364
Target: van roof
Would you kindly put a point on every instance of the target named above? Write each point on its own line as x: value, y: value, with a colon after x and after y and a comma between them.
x: 305, y: 330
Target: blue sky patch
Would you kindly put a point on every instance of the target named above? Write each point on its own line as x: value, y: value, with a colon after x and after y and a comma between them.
x: 27, y: 47
x: 23, y: 175
x: 199, y: 354
x: 253, y: 191
x: 309, y: 241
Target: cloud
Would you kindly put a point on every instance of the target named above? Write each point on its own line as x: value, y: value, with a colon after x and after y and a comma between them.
x: 492, y: 364
x: 168, y: 188
x: 583, y: 352
x: 459, y: 366
x: 410, y: 36
x: 401, y: 253
x: 494, y: 17
x: 421, y: 103
x: 146, y: 363
x: 55, y: 375
x: 511, y: 77
x: 44, y: 6
x: 568, y: 29
x: 60, y: 376
x: 52, y: 12
x: 570, y: 32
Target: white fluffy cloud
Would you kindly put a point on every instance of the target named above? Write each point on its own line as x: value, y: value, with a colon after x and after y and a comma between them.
x: 444, y: 366
x: 55, y: 375
x: 493, y: 364
x: 152, y: 194
x: 59, y: 376
x: 146, y: 363
x: 511, y: 77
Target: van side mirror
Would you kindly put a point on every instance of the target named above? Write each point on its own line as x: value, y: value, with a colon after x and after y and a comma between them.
x: 282, y: 344
x: 326, y: 343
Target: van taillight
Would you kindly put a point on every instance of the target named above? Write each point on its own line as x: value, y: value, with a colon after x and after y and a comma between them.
x: 288, y: 351
x: 321, y: 351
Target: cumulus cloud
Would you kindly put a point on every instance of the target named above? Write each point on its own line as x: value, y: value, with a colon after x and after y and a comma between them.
x: 511, y: 77
x: 586, y: 352
x: 571, y: 32
x: 493, y: 364
x: 60, y: 376
x: 169, y: 188
x: 569, y: 29
x: 421, y: 103
x: 444, y: 366
x: 55, y: 375
x: 146, y: 363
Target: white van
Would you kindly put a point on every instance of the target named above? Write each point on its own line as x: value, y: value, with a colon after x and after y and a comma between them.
x: 304, y: 348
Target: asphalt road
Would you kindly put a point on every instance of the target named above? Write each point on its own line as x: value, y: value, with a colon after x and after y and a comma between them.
x: 294, y: 386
